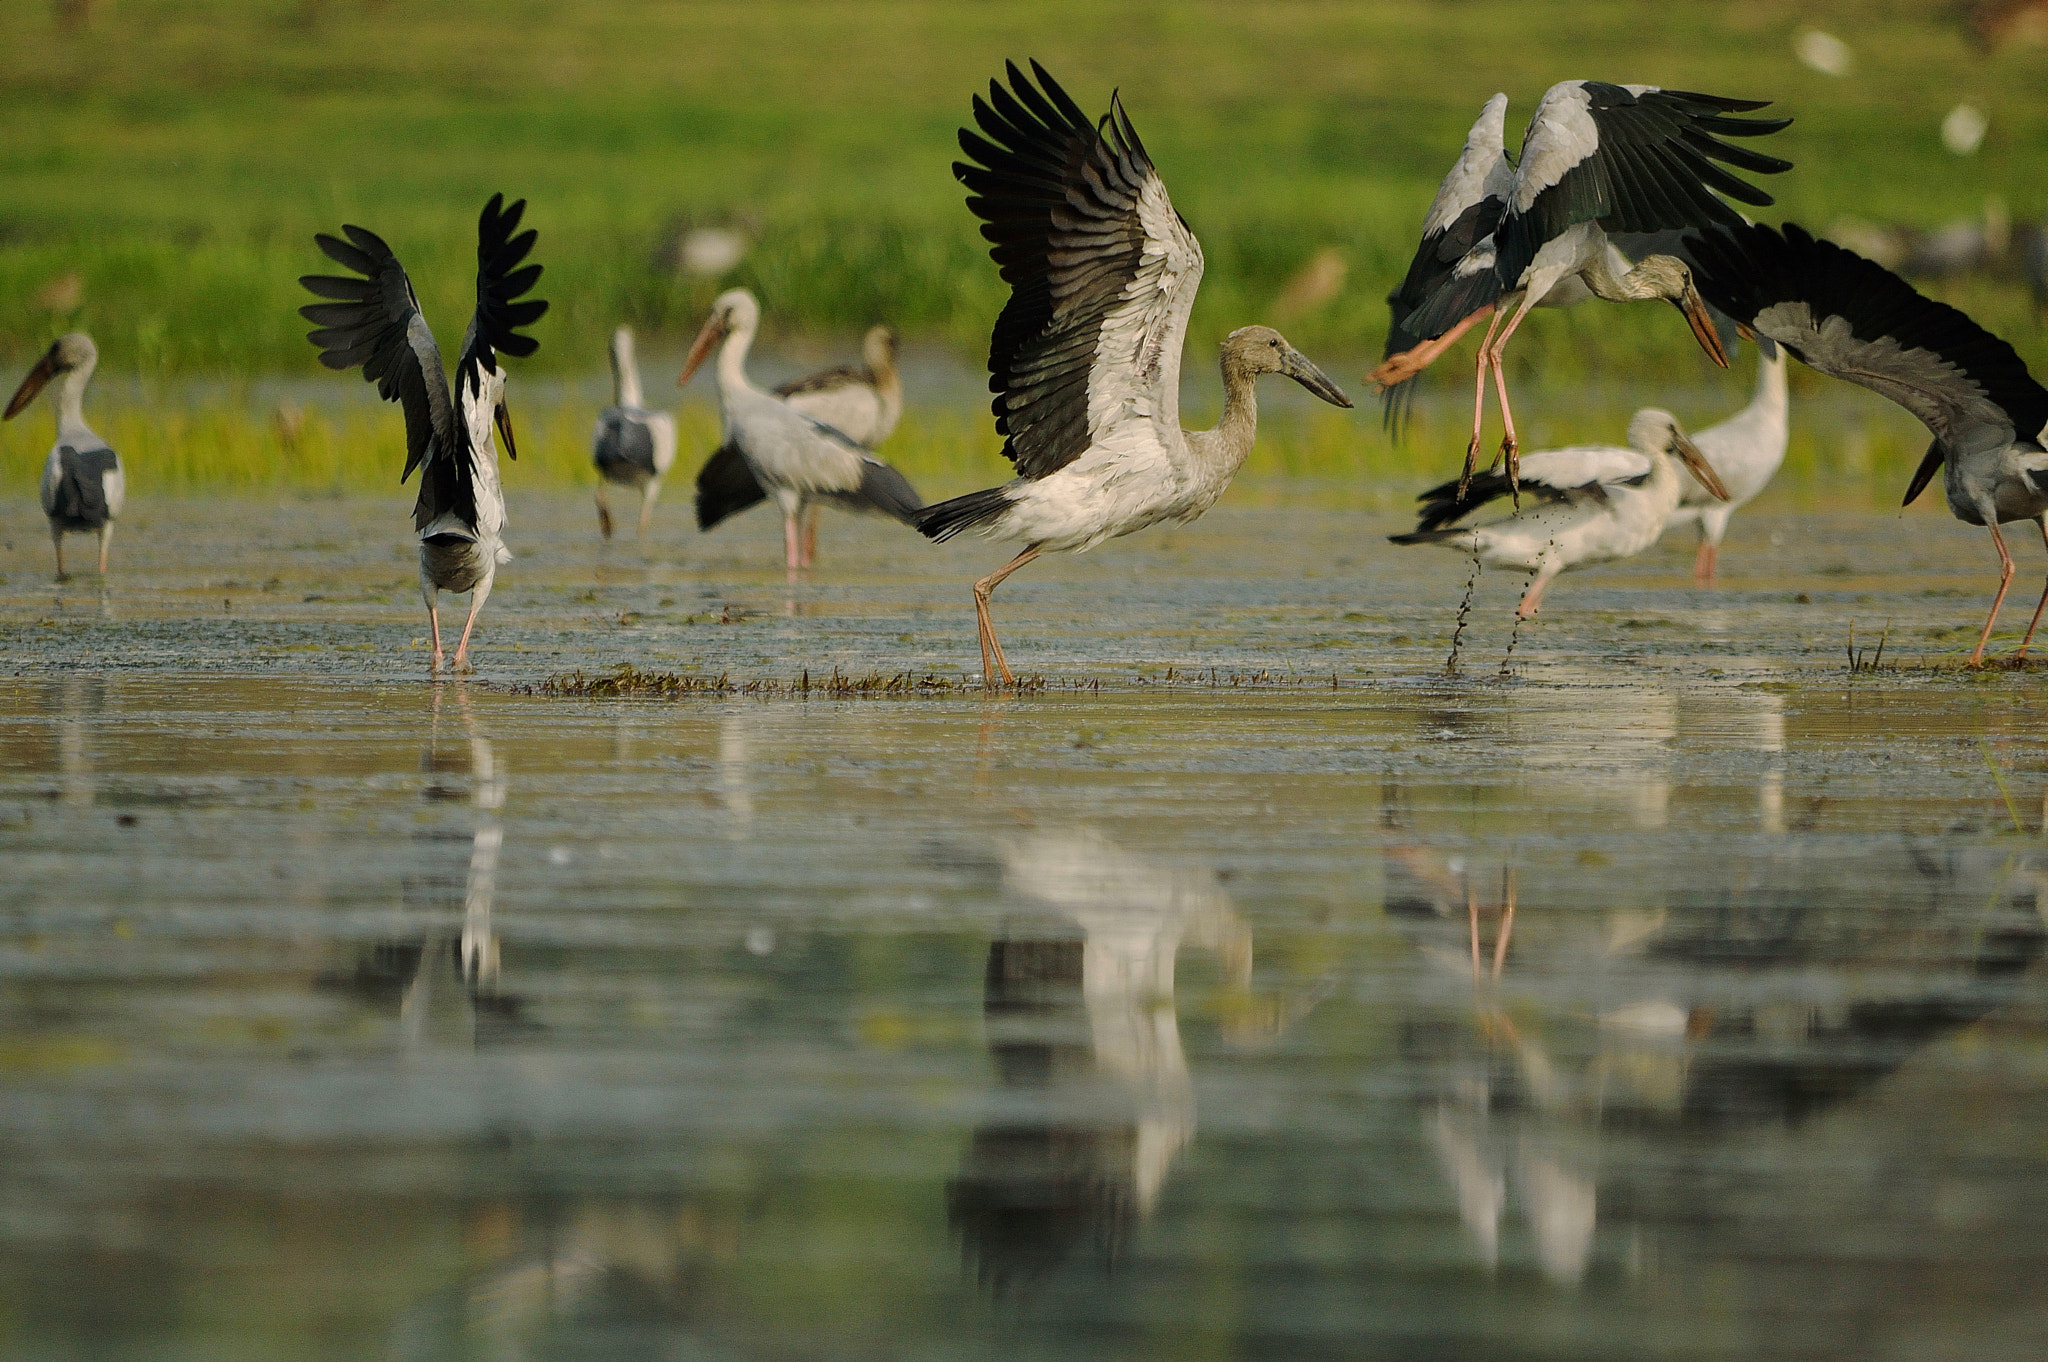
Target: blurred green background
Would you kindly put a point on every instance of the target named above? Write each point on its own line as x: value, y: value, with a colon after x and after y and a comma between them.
x: 169, y: 163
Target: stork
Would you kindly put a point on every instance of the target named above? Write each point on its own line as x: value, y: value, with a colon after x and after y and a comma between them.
x: 1746, y: 451
x: 376, y: 323
x: 771, y: 448
x: 1854, y: 319
x: 1596, y: 158
x: 632, y: 446
x: 863, y: 401
x: 1592, y: 504
x: 83, y: 485
x: 1085, y: 358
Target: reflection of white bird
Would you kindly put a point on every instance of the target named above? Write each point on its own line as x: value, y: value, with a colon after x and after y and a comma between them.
x: 633, y: 447
x: 83, y: 484
x: 1591, y: 504
x: 774, y: 449
x: 1597, y: 158
x: 1854, y: 319
x: 1745, y: 451
x: 1085, y: 358
x: 377, y: 324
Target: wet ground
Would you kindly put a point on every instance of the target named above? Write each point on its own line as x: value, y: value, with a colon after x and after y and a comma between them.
x: 1679, y: 995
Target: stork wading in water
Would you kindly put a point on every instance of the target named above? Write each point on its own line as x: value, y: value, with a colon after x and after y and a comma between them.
x: 83, y: 483
x: 376, y: 323
x: 1746, y: 450
x: 1597, y: 158
x: 1085, y: 358
x: 1854, y: 319
x: 862, y: 401
x: 774, y: 449
x: 1591, y: 504
x: 632, y: 446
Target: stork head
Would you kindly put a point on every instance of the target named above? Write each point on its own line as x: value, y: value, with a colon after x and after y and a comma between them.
x: 878, y: 349
x: 1656, y: 432
x: 74, y: 352
x: 1668, y: 277
x: 1255, y: 350
x: 735, y: 310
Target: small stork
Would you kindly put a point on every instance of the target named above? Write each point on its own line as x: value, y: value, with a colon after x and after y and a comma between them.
x: 1854, y: 319
x: 633, y: 447
x: 1746, y: 450
x: 1592, y: 504
x: 83, y: 485
x: 376, y: 323
x: 1596, y: 158
x: 771, y: 447
x: 1085, y: 358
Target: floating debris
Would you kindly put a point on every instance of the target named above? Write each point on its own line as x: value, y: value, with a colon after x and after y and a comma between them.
x: 627, y: 681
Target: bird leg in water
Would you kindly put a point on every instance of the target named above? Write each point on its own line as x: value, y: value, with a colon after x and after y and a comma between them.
x: 1404, y: 366
x: 57, y: 543
x: 648, y: 495
x: 478, y: 594
x: 811, y: 534
x: 792, y: 550
x: 106, y: 533
x: 1532, y: 599
x: 431, y: 594
x: 992, y: 659
x: 1478, y: 407
x: 1464, y: 612
x: 2004, y: 581
x: 1509, y: 446
x: 604, y: 510
x: 1706, y: 562
x: 2035, y: 623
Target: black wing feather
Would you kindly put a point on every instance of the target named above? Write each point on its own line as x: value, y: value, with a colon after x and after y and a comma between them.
x: 725, y: 487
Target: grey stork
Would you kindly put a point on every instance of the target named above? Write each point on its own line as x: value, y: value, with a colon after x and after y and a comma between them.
x: 632, y: 446
x: 1854, y: 319
x: 1592, y: 504
x: 376, y: 323
x: 1746, y: 450
x: 1085, y: 357
x: 83, y: 484
x: 771, y: 448
x: 1597, y: 158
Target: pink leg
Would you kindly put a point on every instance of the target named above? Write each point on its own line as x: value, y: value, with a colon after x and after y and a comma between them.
x: 433, y: 599
x: 792, y: 550
x: 1404, y: 366
x: 1532, y: 599
x: 1706, y: 562
x: 811, y: 534
x: 991, y: 647
x: 2035, y: 623
x: 480, y: 593
x: 1478, y: 406
x: 2004, y: 581
x: 1509, y: 446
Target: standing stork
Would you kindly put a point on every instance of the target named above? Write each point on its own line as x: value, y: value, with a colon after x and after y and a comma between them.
x: 1596, y: 158
x: 376, y: 323
x: 83, y: 485
x: 772, y: 448
x: 1746, y: 450
x: 1854, y: 319
x: 633, y: 447
x: 1592, y: 504
x: 1085, y: 358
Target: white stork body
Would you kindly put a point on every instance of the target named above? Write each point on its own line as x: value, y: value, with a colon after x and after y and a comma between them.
x: 771, y: 449
x: 1596, y: 158
x: 83, y: 486
x: 632, y: 446
x: 1746, y: 450
x: 375, y: 322
x: 1850, y: 317
x: 1085, y: 358
x: 1591, y: 504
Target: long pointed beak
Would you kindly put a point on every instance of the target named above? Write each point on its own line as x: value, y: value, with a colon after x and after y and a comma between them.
x: 1697, y: 463
x: 1695, y: 309
x: 45, y: 370
x: 1297, y: 367
x: 713, y: 332
x: 503, y: 416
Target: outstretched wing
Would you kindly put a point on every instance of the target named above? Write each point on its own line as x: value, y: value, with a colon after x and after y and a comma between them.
x: 1633, y: 158
x: 1465, y: 212
x: 1574, y: 473
x: 376, y: 323
x: 1854, y: 319
x: 1102, y: 272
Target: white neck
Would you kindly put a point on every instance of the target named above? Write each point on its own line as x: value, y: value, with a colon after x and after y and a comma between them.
x: 732, y: 358
x: 625, y: 372
x: 70, y: 399
x: 1771, y: 399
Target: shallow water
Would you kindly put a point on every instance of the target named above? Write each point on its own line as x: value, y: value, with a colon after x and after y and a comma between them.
x: 1678, y: 995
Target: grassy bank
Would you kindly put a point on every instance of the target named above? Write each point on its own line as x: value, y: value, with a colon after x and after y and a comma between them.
x: 170, y: 161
